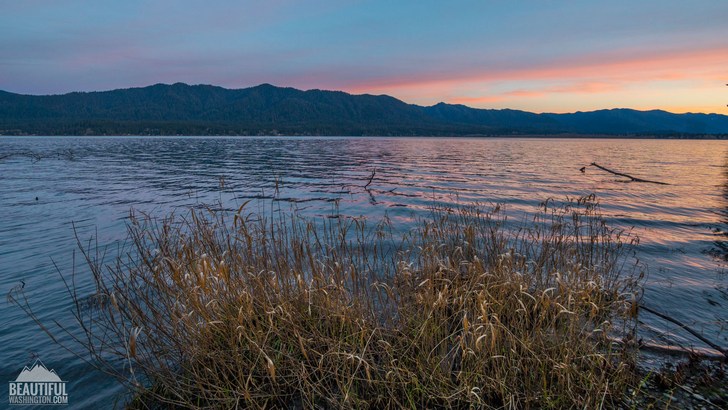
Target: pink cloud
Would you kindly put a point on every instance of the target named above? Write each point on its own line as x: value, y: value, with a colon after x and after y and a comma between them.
x: 593, y: 74
x: 476, y: 100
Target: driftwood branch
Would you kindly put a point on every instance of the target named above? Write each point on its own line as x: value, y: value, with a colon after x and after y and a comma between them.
x: 65, y: 154
x: 687, y: 329
x: 29, y: 154
x: 632, y: 179
x: 672, y: 350
x: 371, y: 178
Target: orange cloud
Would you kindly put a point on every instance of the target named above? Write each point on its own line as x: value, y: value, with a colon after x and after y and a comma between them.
x: 475, y: 100
x: 593, y: 74
x: 578, y: 88
x: 665, y: 65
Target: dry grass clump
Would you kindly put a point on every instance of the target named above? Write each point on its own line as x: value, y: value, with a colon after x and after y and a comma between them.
x: 208, y: 312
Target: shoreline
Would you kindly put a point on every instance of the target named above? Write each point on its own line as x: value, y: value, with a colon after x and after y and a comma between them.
x: 304, y: 136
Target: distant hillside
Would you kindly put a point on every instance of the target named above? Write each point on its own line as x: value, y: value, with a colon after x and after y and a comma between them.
x: 181, y: 109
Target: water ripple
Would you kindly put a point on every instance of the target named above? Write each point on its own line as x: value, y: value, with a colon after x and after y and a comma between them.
x: 93, y: 182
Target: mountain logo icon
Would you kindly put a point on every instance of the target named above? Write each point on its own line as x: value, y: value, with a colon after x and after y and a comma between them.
x: 38, y: 373
x: 37, y: 385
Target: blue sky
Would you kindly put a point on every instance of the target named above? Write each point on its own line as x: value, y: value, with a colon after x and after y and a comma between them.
x: 540, y: 56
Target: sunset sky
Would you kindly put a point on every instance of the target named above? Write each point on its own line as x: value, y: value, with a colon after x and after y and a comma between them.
x: 542, y: 56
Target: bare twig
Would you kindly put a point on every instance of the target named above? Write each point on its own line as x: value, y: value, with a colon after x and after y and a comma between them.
x: 371, y: 178
x: 632, y: 179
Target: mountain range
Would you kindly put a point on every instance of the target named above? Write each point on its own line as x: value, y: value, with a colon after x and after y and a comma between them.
x: 181, y: 109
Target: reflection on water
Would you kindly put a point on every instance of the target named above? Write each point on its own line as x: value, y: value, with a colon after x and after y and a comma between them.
x: 718, y: 300
x: 93, y: 182
x: 721, y: 242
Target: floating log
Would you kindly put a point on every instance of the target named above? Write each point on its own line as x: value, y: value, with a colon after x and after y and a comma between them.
x: 621, y: 174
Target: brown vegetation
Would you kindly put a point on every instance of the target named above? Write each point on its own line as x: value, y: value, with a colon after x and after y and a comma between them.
x: 209, y: 311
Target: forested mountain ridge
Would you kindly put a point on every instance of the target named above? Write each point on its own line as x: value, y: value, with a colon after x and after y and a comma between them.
x: 181, y: 109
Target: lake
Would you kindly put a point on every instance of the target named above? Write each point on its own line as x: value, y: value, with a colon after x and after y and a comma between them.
x: 91, y: 183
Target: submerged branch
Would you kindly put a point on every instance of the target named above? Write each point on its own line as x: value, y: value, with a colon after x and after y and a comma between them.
x: 632, y: 179
x: 687, y: 329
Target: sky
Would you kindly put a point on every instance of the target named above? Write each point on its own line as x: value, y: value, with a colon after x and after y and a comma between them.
x: 538, y: 55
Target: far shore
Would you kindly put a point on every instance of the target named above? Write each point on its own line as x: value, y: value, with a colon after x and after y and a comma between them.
x: 716, y: 137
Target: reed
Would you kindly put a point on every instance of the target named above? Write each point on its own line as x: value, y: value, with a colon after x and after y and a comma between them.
x: 213, y: 310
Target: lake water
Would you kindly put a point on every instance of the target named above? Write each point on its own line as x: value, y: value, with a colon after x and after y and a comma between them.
x: 92, y: 182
